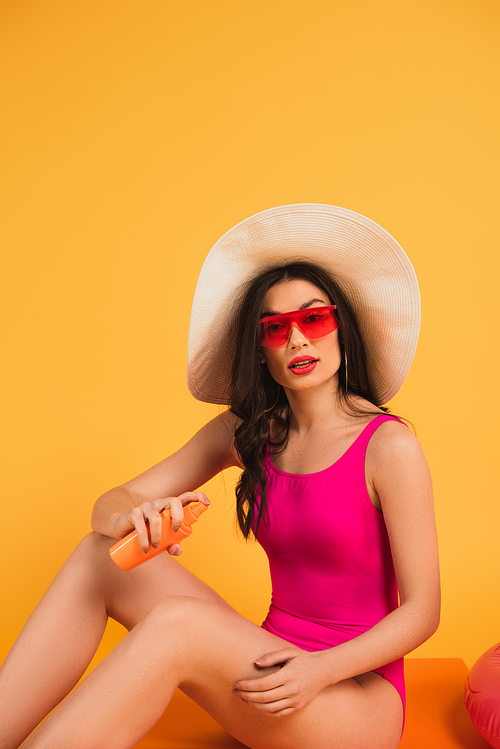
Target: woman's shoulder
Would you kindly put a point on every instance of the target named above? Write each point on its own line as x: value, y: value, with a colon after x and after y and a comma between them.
x: 397, y: 472
x: 393, y: 441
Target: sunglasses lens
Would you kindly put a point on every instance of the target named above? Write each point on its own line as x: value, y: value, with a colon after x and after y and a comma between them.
x: 314, y: 323
x: 274, y: 333
x: 318, y: 323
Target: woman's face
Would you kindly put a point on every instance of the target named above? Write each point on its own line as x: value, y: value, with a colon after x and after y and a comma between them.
x: 299, y: 363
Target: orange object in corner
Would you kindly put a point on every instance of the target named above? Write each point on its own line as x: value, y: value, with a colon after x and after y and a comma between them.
x: 127, y: 553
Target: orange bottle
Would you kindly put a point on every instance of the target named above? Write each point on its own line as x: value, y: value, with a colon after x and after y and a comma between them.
x: 127, y: 553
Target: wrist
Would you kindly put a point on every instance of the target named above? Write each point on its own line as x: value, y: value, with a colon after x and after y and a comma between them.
x: 325, y: 667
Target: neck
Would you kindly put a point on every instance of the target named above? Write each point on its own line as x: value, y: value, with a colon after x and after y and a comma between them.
x: 314, y: 408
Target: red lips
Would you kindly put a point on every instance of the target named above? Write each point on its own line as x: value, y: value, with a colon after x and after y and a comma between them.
x: 298, y: 359
x: 302, y: 368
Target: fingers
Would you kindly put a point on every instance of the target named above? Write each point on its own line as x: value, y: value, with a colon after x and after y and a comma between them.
x: 278, y: 693
x: 270, y: 681
x: 137, y: 518
x: 152, y: 514
x: 264, y: 684
x: 188, y: 497
x: 276, y: 657
x: 147, y: 519
x: 274, y: 701
x: 262, y: 697
x: 174, y: 504
x: 277, y: 708
x: 175, y: 550
x: 176, y: 507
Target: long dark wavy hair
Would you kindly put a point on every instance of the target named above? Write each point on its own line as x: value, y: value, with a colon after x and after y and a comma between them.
x: 255, y: 396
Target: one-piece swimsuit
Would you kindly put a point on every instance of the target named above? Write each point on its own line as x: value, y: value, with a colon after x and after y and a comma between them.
x: 332, y: 576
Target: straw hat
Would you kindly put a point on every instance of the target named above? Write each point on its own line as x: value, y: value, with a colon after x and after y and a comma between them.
x: 366, y: 261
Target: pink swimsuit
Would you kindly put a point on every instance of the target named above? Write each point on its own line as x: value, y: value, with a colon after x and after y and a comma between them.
x: 333, y: 578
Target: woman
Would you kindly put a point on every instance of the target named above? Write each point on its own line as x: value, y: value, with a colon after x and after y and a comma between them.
x: 305, y: 321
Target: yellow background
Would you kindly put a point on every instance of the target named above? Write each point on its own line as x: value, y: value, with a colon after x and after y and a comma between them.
x: 132, y: 136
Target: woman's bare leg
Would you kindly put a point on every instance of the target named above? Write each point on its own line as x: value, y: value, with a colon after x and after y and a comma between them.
x: 61, y: 636
x: 204, y: 649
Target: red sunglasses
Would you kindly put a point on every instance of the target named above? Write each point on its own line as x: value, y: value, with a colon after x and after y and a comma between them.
x: 314, y: 322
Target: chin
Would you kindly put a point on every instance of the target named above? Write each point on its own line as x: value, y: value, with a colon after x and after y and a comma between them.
x: 309, y: 381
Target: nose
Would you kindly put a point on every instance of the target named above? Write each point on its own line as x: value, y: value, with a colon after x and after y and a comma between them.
x: 297, y: 339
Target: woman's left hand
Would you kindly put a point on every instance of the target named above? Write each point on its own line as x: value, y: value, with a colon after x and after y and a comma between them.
x: 296, y: 683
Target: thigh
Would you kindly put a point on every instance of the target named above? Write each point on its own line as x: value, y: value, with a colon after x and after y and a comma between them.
x: 217, y: 647
x: 130, y: 595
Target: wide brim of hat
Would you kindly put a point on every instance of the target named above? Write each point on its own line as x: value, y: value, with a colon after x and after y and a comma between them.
x: 370, y: 266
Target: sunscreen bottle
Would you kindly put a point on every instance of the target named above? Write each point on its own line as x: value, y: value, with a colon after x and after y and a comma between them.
x: 127, y: 553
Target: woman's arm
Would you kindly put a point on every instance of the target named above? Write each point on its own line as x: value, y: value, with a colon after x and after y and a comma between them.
x: 397, y: 471
x: 171, y: 483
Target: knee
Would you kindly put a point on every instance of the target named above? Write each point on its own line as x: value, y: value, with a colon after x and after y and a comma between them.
x: 90, y: 555
x: 92, y: 546
x: 179, y: 612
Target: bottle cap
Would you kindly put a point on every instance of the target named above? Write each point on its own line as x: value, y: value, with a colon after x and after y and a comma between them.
x: 192, y: 512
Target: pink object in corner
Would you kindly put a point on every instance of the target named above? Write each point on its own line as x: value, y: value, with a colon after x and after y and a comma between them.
x: 482, y: 695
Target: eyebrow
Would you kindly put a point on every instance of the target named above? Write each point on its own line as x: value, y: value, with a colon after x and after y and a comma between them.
x: 303, y: 306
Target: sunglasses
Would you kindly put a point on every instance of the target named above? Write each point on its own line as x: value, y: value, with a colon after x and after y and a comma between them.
x: 314, y: 322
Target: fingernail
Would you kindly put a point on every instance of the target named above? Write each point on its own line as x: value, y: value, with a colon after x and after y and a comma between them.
x: 237, y: 686
x: 155, y: 546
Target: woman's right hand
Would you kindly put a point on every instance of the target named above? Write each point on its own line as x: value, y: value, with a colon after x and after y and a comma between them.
x: 147, y: 520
